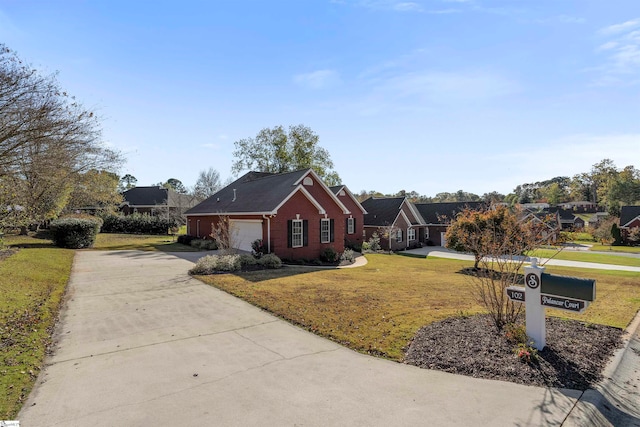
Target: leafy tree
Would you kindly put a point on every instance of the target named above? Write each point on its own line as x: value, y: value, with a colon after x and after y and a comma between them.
x: 493, y: 197
x: 633, y: 237
x: 603, y: 232
x: 176, y: 185
x: 47, y: 141
x: 208, y: 184
x: 96, y: 189
x: 498, y: 240
x: 274, y: 150
x: 554, y: 193
x: 127, y: 182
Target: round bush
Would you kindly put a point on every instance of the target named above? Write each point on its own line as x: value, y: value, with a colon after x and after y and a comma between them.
x: 74, y: 233
x: 270, y: 261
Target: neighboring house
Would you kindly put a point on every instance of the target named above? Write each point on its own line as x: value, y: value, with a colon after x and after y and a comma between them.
x: 155, y: 201
x: 595, y: 219
x: 295, y: 214
x: 581, y: 206
x: 438, y: 216
x: 354, y: 224
x: 396, y: 217
x: 550, y: 219
x: 629, y: 219
x: 566, y: 218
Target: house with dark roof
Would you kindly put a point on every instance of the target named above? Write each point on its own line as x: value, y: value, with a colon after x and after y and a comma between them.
x: 438, y: 216
x: 296, y: 214
x: 629, y: 220
x: 566, y: 218
x: 396, y: 220
x: 155, y: 200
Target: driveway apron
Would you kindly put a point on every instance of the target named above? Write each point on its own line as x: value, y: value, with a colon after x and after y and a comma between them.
x: 141, y: 343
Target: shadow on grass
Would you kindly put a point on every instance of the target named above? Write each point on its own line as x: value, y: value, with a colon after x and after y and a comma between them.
x: 486, y: 273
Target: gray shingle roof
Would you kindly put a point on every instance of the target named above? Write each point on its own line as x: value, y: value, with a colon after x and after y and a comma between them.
x: 628, y: 213
x: 258, y: 192
x: 146, y: 196
x: 383, y: 211
x: 440, y: 213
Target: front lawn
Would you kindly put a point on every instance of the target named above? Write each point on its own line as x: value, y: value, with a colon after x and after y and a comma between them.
x: 379, y: 307
x: 32, y: 284
x: 614, y: 249
x: 140, y: 242
x: 585, y: 256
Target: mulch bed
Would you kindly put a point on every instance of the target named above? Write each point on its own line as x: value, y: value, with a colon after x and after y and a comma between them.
x: 575, y: 355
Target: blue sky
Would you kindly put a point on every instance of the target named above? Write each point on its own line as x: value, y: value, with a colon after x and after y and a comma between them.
x: 424, y: 95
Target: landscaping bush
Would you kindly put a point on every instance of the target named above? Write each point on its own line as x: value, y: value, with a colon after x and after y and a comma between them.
x: 74, y: 233
x: 207, y: 245
x: 247, y: 260
x: 365, y: 247
x: 270, y: 261
x: 374, y: 243
x: 258, y: 248
x: 185, y: 239
x: 347, y: 255
x: 329, y: 255
x: 214, y: 263
x: 137, y: 224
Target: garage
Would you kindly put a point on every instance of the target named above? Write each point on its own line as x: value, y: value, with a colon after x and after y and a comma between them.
x: 244, y: 232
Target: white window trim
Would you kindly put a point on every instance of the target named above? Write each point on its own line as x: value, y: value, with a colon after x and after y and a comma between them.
x: 325, y: 222
x: 399, y: 236
x: 411, y: 234
x: 351, y: 227
x: 297, y: 222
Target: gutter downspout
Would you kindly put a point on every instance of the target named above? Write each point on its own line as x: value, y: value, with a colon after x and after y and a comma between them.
x: 268, y: 232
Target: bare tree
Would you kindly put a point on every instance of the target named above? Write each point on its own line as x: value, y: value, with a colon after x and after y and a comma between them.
x: 208, y: 184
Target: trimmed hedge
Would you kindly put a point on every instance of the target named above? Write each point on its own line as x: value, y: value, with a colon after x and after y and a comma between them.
x: 74, y: 233
x: 137, y: 224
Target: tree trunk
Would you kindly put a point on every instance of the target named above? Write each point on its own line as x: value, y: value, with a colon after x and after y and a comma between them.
x: 23, y: 230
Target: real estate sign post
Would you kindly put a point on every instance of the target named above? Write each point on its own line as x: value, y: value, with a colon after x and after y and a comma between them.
x: 543, y: 290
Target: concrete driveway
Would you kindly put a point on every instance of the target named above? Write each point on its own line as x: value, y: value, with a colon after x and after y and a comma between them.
x: 141, y: 343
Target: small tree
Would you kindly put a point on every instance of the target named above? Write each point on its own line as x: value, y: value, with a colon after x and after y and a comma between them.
x: 633, y: 237
x: 603, y: 233
x: 498, y: 240
x: 224, y: 234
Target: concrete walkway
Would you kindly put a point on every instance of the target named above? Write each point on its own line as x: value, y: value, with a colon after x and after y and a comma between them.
x: 440, y: 252
x: 141, y: 343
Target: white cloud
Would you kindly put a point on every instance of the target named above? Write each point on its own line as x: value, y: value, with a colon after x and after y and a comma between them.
x: 319, y: 79
x: 620, y: 28
x: 622, y: 54
x: 407, y: 7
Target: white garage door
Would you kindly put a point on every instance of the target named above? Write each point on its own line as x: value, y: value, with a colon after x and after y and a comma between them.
x: 245, y: 232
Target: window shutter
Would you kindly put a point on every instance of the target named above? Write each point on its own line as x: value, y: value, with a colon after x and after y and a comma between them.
x: 289, y: 233
x: 354, y: 225
x: 331, y: 228
x: 346, y: 226
x: 305, y: 232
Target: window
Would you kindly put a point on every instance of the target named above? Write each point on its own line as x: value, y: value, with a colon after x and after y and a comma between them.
x: 399, y: 236
x: 296, y: 233
x: 351, y: 225
x: 411, y: 234
x: 325, y: 234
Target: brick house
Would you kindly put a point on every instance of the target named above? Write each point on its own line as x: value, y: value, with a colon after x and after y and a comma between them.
x: 629, y: 219
x: 438, y: 216
x: 155, y: 200
x: 396, y: 217
x: 295, y: 214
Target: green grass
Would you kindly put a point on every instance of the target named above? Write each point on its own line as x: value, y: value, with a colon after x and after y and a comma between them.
x: 378, y: 308
x: 140, y: 242
x: 585, y: 256
x: 607, y: 248
x: 32, y: 284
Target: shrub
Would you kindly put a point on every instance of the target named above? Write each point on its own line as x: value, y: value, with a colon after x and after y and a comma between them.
x: 185, y: 239
x: 347, y: 255
x: 365, y: 247
x: 257, y: 248
x: 214, y: 263
x: 137, y: 224
x: 329, y: 255
x: 374, y: 243
x: 270, y: 261
x: 207, y: 245
x: 516, y: 334
x: 354, y: 246
x: 247, y: 260
x: 74, y: 233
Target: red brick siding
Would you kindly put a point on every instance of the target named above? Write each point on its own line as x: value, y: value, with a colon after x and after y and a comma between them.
x: 357, y: 237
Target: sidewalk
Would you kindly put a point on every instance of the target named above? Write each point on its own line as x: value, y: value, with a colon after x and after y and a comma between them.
x: 142, y: 343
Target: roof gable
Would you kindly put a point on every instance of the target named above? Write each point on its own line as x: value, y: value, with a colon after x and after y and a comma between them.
x: 628, y: 214
x: 337, y: 189
x: 382, y: 211
x: 261, y: 193
x: 441, y: 213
